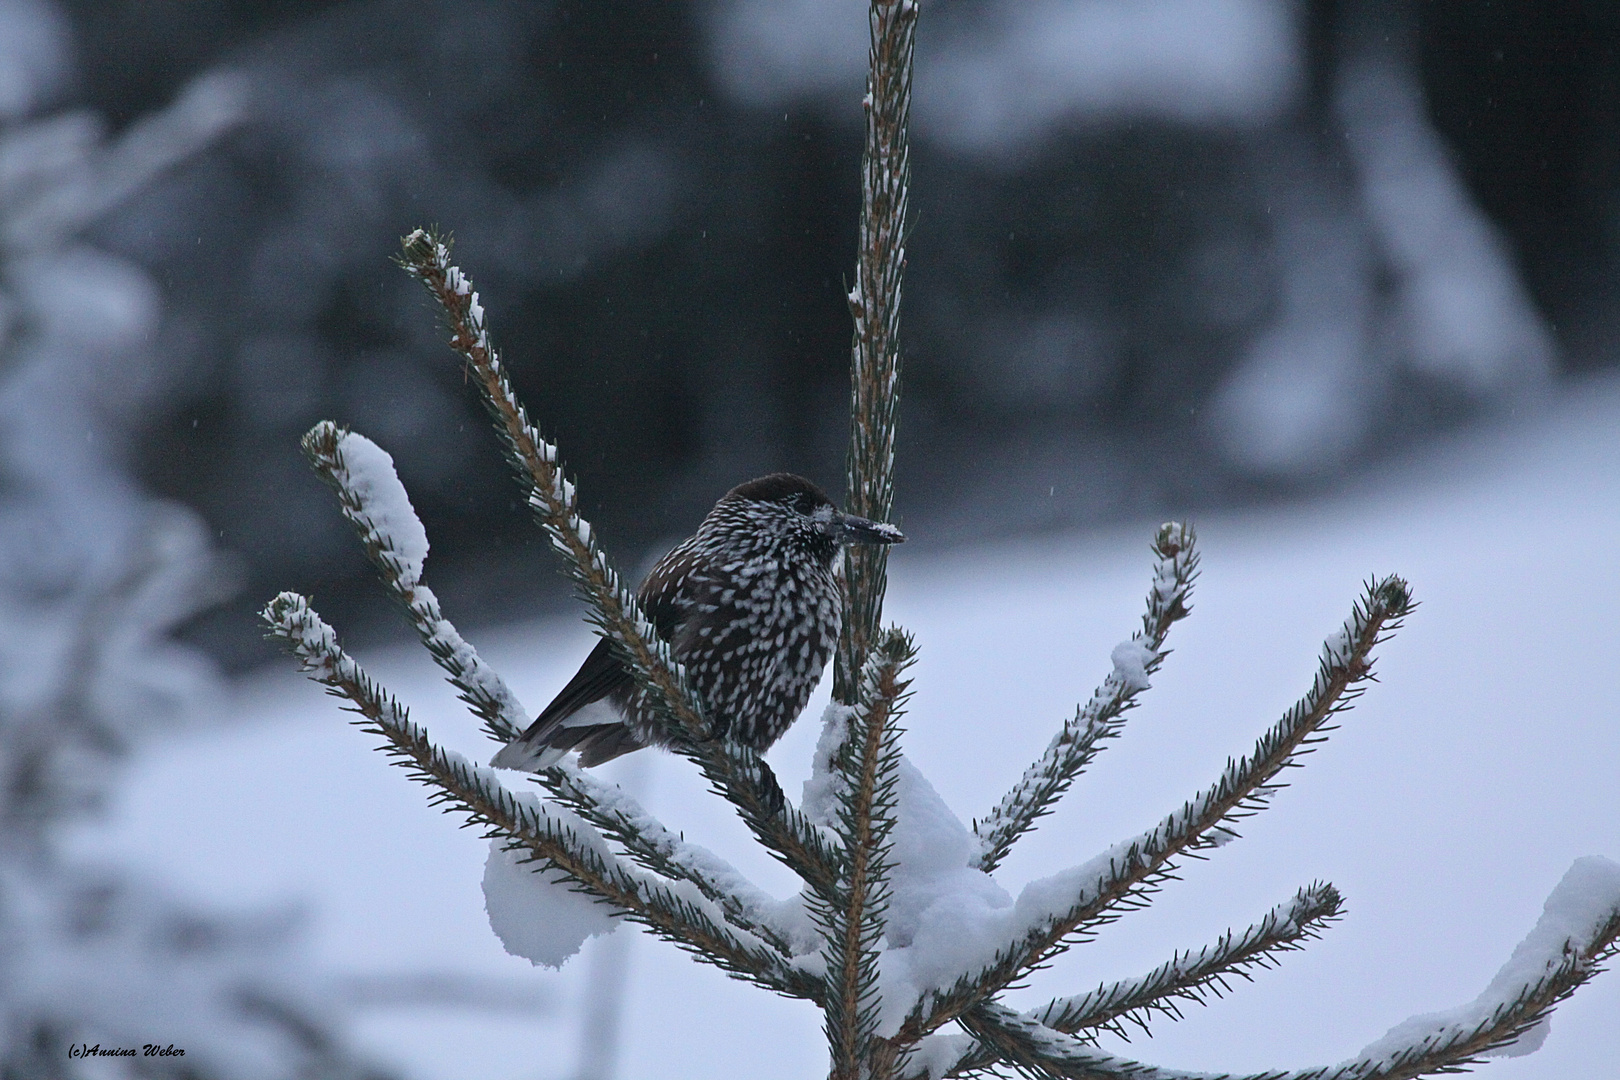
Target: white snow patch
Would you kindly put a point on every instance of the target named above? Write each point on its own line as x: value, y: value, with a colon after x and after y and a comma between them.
x: 787, y: 917
x: 464, y: 659
x: 820, y: 797
x: 1131, y: 659
x: 1025, y: 67
x: 1587, y: 897
x: 948, y: 920
x: 368, y: 471
x: 534, y: 912
x: 1038, y: 63
x: 1341, y: 645
x: 944, y: 916
x: 939, y: 1052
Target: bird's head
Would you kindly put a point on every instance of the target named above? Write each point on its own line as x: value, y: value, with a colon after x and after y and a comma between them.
x: 784, y: 508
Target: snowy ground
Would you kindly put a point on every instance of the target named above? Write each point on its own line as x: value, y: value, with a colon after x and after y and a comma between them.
x: 1448, y: 806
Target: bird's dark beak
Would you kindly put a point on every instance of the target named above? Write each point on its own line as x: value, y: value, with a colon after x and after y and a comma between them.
x: 856, y: 530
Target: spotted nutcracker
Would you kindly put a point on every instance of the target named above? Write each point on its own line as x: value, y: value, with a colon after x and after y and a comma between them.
x: 750, y: 606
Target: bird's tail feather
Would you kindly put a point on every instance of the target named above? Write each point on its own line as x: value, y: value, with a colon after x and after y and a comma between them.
x: 526, y: 756
x: 550, y: 738
x: 538, y: 749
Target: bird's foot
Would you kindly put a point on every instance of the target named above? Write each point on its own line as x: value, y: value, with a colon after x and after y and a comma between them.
x: 770, y: 791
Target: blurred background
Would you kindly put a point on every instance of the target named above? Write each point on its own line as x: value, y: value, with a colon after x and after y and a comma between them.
x: 1233, y: 259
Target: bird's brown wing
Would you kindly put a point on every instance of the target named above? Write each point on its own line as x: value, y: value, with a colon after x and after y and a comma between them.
x: 602, y: 674
x: 547, y: 740
x: 597, y: 677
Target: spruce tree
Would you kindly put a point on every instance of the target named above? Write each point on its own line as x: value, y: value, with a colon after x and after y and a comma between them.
x: 901, y: 999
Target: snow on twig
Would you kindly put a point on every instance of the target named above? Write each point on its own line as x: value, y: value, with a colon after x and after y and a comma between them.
x: 1103, y: 717
x: 1190, y: 977
x: 1195, y: 976
x: 1578, y: 931
x: 1050, y: 913
x: 553, y: 837
x: 782, y: 923
x: 865, y: 772
x: 375, y: 503
x: 733, y: 769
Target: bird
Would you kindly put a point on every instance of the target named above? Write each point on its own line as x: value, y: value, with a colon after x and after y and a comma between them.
x: 749, y: 604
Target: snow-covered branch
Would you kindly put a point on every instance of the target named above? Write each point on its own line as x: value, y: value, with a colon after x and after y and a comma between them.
x: 654, y: 847
x: 1190, y: 977
x: 863, y: 772
x: 1578, y: 931
x: 376, y: 504
x: 733, y: 769
x: 1103, y: 717
x: 553, y: 498
x: 555, y: 838
x: 901, y: 929
x: 1038, y: 1050
x: 1051, y: 913
x: 374, y: 501
x: 1196, y: 976
x: 874, y: 303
